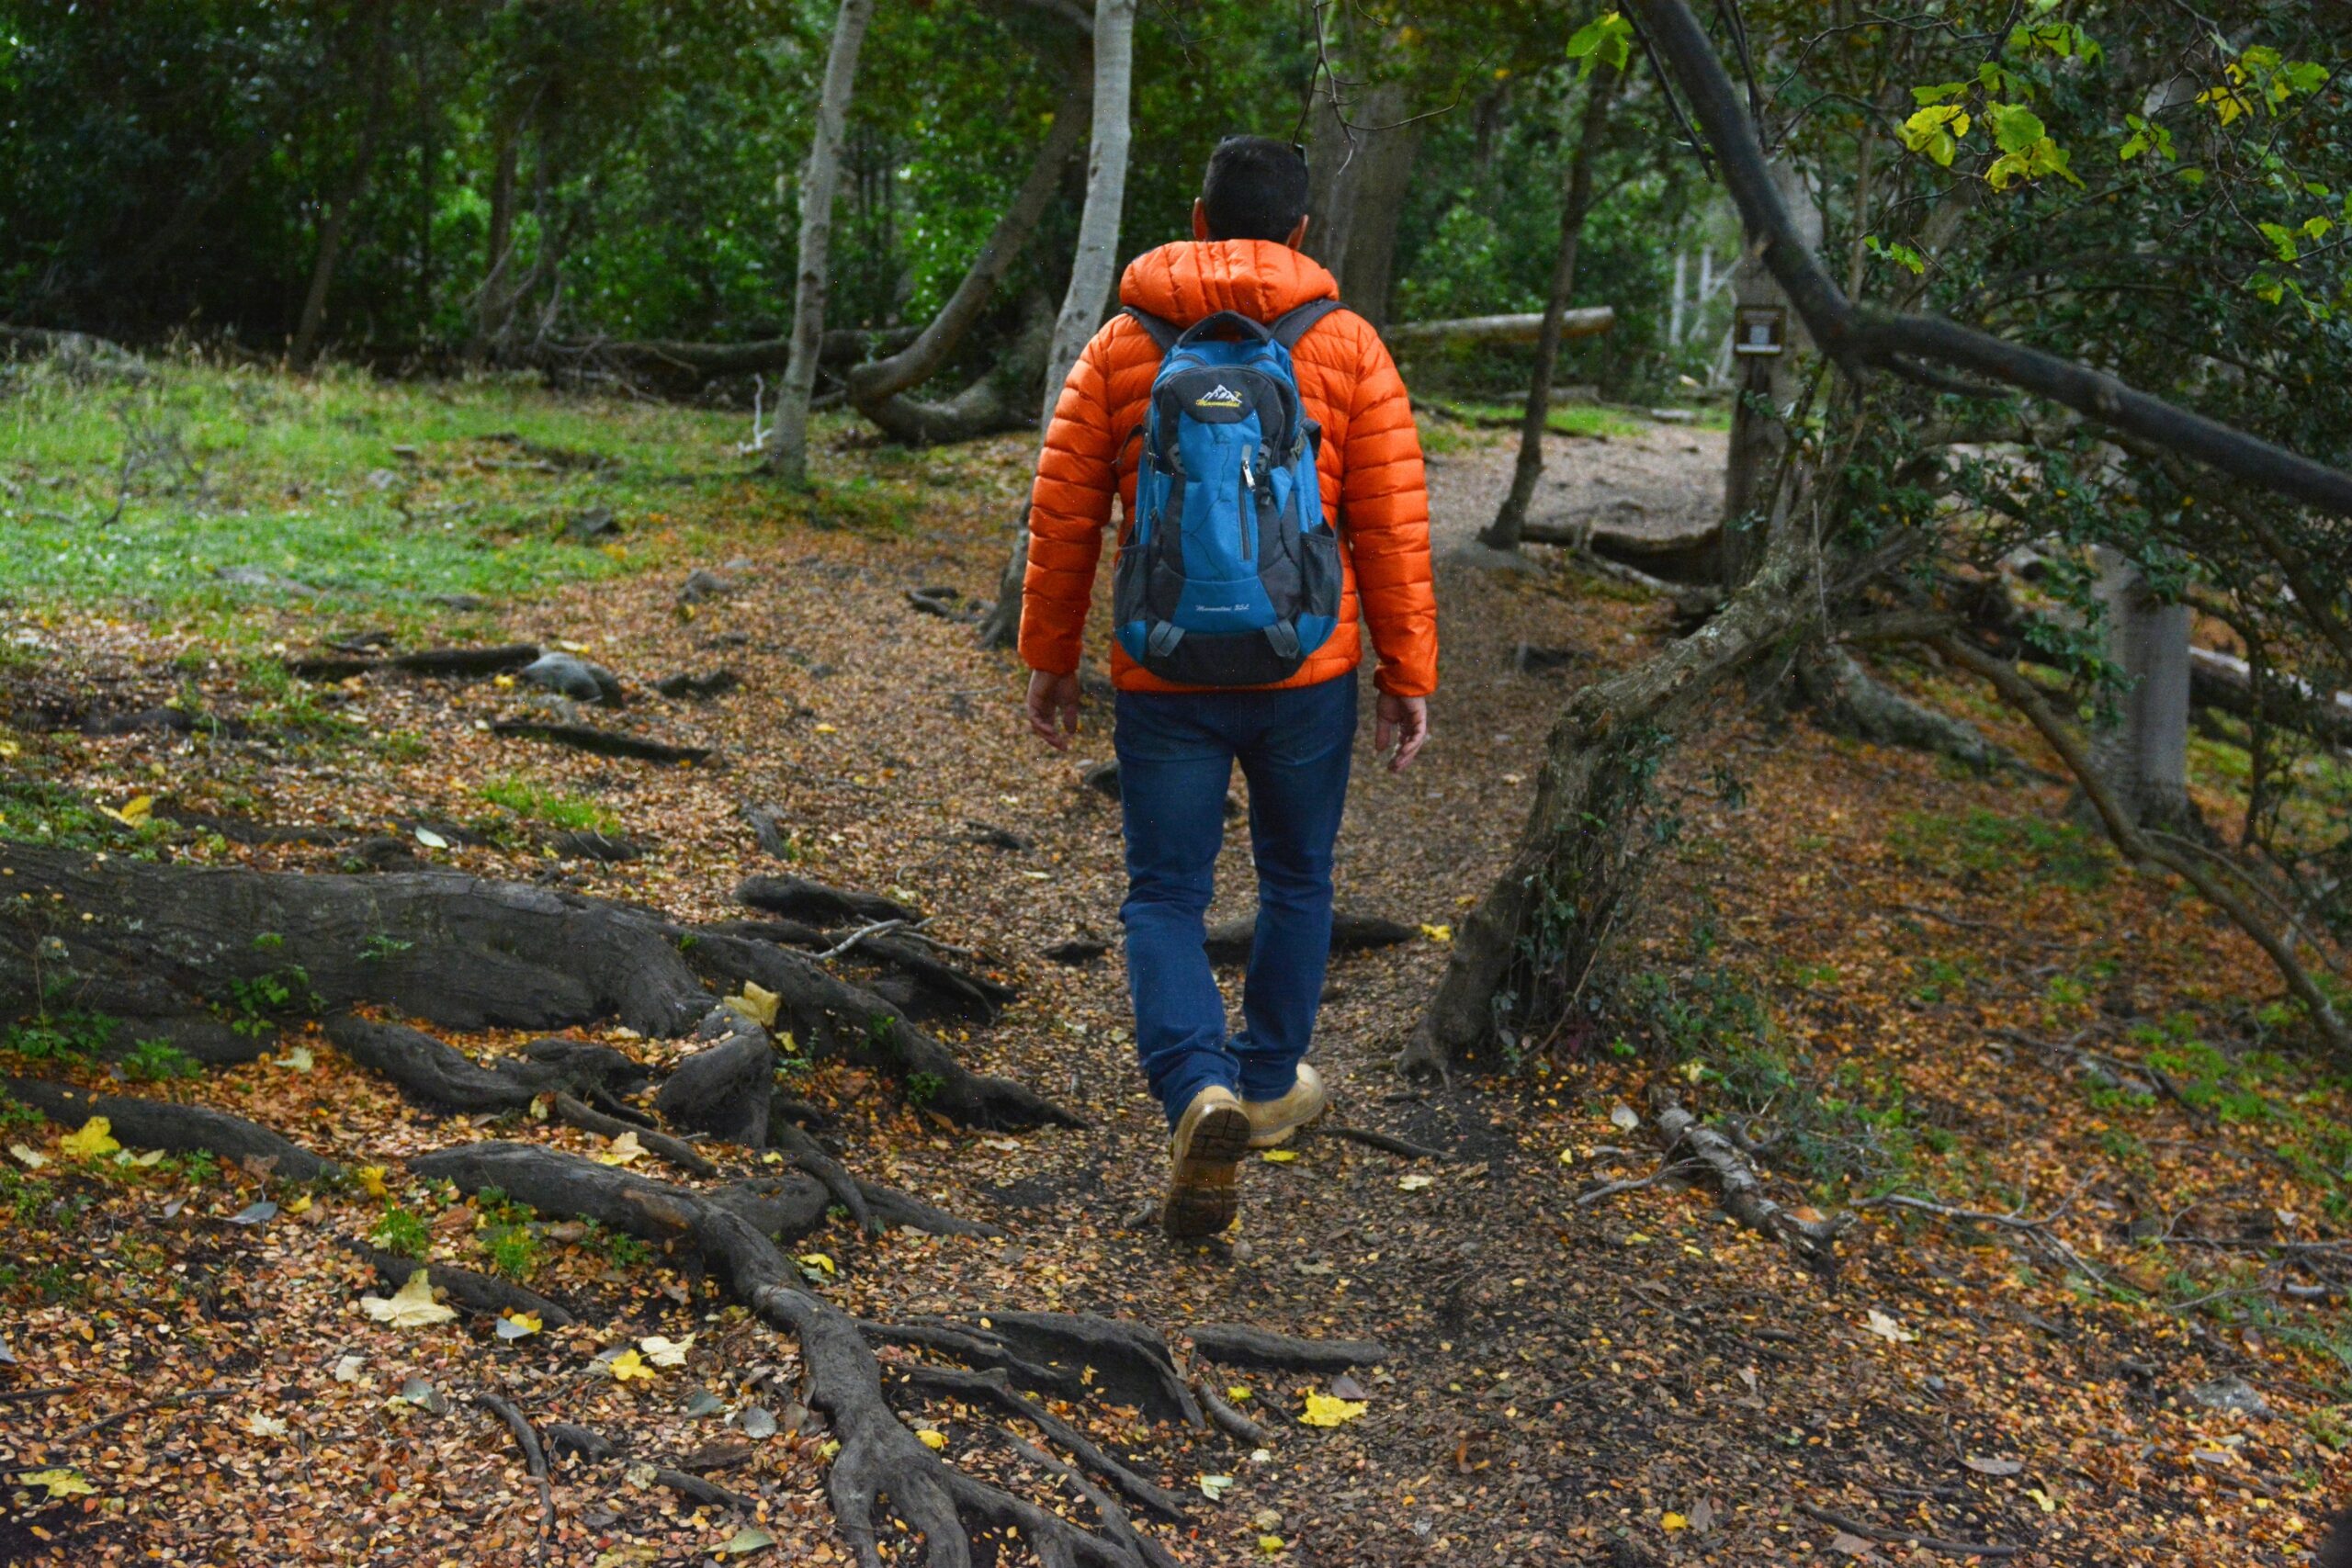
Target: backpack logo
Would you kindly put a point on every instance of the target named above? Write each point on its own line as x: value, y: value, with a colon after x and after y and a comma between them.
x: 1218, y: 396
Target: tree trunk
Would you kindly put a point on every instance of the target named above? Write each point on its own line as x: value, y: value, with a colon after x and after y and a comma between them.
x: 1575, y: 200
x: 1524, y: 954
x: 787, y: 453
x: 1357, y: 173
x: 2143, y: 751
x: 305, y: 350
x: 1090, y: 274
x: 1766, y: 386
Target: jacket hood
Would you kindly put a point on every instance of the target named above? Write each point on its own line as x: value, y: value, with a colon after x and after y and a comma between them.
x: 1193, y: 279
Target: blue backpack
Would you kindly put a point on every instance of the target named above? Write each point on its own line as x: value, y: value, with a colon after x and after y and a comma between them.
x: 1229, y: 575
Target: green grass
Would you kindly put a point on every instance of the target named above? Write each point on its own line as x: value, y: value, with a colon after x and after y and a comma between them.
x: 1985, y: 843
x: 1566, y: 419
x: 538, y: 802
x: 146, y: 486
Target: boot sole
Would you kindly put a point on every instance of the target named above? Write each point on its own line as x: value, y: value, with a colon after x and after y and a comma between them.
x: 1204, y: 1190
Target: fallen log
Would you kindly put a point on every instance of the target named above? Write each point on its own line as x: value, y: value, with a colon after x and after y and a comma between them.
x: 1486, y: 331
x: 1689, y: 554
x: 1352, y: 930
x: 1740, y: 1192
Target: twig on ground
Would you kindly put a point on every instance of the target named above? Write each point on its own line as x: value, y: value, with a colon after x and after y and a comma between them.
x: 534, y: 1458
x: 1906, y: 1537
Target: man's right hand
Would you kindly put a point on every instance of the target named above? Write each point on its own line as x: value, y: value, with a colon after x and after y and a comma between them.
x: 1053, y: 708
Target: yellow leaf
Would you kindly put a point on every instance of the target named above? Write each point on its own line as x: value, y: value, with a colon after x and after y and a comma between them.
x: 931, y: 1440
x: 831, y: 1447
x: 60, y: 1483
x: 518, y: 1324
x: 1279, y: 1156
x: 96, y: 1138
x: 1271, y: 1545
x: 2049, y: 1504
x: 371, y: 1181
x: 1438, y: 934
x: 1238, y: 1392
x: 666, y: 1352
x: 818, y: 1260
x: 1324, y: 1410
x: 825, y: 730
x: 1415, y: 1183
x: 623, y: 1150
x: 757, y: 1003
x: 1674, y: 1522
x: 628, y: 1364
x: 410, y: 1306
x: 300, y: 1205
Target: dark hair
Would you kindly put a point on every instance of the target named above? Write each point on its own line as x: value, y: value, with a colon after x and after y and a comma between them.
x: 1255, y: 189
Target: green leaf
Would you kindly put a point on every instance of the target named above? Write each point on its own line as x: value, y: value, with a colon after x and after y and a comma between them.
x: 2146, y: 136
x: 2192, y: 177
x: 2015, y: 127
x: 1936, y: 131
x: 2282, y: 240
x: 2303, y: 75
x: 1900, y: 254
x: 2317, y: 228
x: 1941, y: 93
x: 1607, y: 39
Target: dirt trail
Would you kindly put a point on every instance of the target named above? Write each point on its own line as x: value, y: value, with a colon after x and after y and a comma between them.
x: 1629, y: 1383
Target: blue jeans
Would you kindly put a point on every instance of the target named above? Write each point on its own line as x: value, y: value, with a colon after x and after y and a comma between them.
x: 1176, y: 755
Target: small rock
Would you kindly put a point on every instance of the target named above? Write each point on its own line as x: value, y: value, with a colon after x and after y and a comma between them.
x: 595, y: 524
x: 2232, y: 1396
x: 382, y: 479
x: 568, y: 676
x: 703, y: 584
x: 1102, y: 778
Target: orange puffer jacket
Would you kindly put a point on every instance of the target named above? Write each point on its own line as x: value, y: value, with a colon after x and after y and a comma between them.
x: 1370, y: 465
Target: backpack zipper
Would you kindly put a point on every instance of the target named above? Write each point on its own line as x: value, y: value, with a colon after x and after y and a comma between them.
x: 1248, y: 498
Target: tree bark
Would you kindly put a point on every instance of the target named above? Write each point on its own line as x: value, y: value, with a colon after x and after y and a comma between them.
x: 787, y: 452
x: 1767, y: 386
x: 2142, y: 750
x: 1575, y: 200
x: 1357, y: 173
x: 1091, y: 272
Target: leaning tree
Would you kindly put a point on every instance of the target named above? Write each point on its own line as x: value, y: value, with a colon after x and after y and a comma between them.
x: 2105, y: 307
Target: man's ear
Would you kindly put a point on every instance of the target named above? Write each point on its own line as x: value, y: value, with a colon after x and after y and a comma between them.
x: 1297, y: 240
x: 1200, y: 218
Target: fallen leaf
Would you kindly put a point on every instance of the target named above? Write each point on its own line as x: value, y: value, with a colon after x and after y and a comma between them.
x: 757, y: 1003
x: 34, y: 1160
x: 1279, y: 1156
x: 758, y: 1422
x: 666, y: 1352
x: 410, y: 1306
x: 431, y: 840
x: 745, y: 1541
x: 1886, y: 1328
x: 258, y: 1213
x: 629, y: 1364
x: 60, y: 1482
x: 1415, y: 1183
x: 1438, y: 934
x: 299, y: 1058
x: 2049, y: 1504
x: 262, y: 1426
x: 518, y: 1324
x: 95, y: 1137
x: 371, y: 1181
x: 422, y: 1394
x: 627, y: 1557
x: 818, y: 1260
x: 1238, y: 1392
x: 1994, y: 1466
x: 931, y: 1440
x: 1671, y: 1522
x: 623, y: 1150
x: 347, y: 1366
x: 300, y: 1205
x: 705, y: 1402
x: 1624, y: 1118
x: 1852, y: 1545
x: 1214, y: 1487
x: 1702, y: 1515
x: 1346, y: 1387
x: 1271, y: 1545
x: 1322, y: 1410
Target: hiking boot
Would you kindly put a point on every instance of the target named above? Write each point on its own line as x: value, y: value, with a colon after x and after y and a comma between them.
x: 1271, y: 1121
x: 1204, y: 1160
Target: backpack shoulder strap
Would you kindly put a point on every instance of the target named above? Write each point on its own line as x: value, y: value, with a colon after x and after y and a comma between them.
x: 1162, y: 331
x: 1291, y: 325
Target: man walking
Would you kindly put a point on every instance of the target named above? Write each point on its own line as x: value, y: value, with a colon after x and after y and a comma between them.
x: 1231, y: 395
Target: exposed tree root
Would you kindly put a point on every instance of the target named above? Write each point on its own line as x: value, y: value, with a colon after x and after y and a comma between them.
x: 1848, y: 700
x: 1231, y: 1421
x: 443, y: 1077
x: 676, y: 1151
x: 602, y: 742
x: 456, y: 952
x: 174, y: 1129
x: 879, y: 1457
x: 1239, y: 1344
x: 1738, y: 1190
x: 1050, y: 1352
x: 473, y: 1292
x: 1386, y: 1143
x: 534, y: 1458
